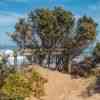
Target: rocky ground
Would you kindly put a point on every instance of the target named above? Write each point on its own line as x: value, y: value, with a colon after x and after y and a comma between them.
x: 63, y: 87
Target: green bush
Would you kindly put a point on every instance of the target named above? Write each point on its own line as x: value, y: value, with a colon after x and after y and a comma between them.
x: 20, y: 84
x: 4, y: 73
x: 17, y: 86
x: 38, y: 84
x: 35, y: 75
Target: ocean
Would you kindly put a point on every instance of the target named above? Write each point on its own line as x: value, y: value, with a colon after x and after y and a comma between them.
x: 6, y: 47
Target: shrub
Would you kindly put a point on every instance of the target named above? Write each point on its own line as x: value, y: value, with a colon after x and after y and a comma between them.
x: 94, y: 86
x: 20, y: 84
x: 35, y: 75
x: 17, y: 86
x: 4, y: 73
x: 38, y: 84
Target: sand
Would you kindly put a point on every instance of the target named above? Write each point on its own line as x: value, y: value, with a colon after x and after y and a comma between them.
x: 62, y: 87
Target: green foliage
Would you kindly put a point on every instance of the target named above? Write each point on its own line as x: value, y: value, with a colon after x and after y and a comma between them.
x: 17, y: 86
x: 52, y: 25
x: 38, y: 84
x: 65, y: 19
x: 94, y: 85
x: 4, y: 73
x: 86, y: 28
x: 97, y: 50
x: 35, y: 75
x: 2, y: 60
x: 23, y: 34
x: 56, y: 28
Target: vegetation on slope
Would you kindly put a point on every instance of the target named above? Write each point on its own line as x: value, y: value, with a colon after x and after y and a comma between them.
x: 18, y: 85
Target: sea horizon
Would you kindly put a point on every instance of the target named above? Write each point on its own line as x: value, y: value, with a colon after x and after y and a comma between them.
x: 5, y: 47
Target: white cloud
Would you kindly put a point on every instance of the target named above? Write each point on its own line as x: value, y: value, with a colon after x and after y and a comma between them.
x: 8, y: 18
x: 7, y: 23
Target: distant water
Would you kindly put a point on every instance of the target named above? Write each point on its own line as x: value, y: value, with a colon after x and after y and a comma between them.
x: 6, y: 47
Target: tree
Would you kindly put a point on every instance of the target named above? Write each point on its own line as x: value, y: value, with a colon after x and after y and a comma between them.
x: 86, y: 28
x: 85, y: 33
x: 57, y: 29
x: 96, y: 52
x: 52, y: 25
x: 23, y: 34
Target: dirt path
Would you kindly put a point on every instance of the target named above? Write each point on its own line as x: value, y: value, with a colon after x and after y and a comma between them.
x: 62, y: 87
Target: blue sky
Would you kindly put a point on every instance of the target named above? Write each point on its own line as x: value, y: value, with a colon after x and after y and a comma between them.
x: 12, y: 10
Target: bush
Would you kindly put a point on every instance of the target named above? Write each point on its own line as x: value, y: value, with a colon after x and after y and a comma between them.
x: 38, y: 84
x: 94, y: 86
x: 20, y: 84
x: 4, y: 73
x: 17, y: 86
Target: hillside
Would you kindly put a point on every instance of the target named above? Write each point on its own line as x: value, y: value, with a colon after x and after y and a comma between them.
x: 62, y: 87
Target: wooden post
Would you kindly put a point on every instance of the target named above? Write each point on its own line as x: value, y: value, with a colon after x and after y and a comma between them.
x: 49, y: 58
x: 69, y: 64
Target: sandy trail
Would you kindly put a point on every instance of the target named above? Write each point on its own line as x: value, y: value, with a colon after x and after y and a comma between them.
x: 62, y: 87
